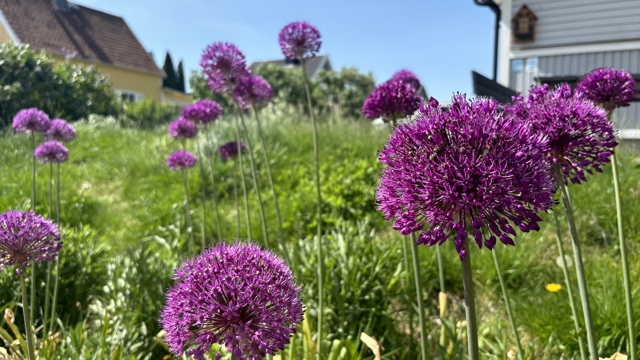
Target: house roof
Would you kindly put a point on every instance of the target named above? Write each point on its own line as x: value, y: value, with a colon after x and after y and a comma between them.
x: 84, y: 32
x: 312, y: 68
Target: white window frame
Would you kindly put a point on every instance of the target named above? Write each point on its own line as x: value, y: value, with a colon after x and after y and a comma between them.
x: 133, y: 95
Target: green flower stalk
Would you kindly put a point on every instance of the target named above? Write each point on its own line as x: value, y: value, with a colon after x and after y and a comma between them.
x: 181, y: 161
x: 203, y: 193
x: 507, y: 304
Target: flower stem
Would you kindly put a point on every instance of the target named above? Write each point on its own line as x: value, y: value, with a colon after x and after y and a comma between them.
x: 242, y: 178
x: 507, y: 304
x: 187, y: 210
x: 235, y: 196
x: 416, y: 272
x: 625, y: 264
x: 213, y: 184
x: 567, y: 281
x: 33, y: 208
x: 283, y: 242
x: 27, y: 318
x: 47, y: 288
x: 255, y: 177
x: 54, y: 302
x: 408, y: 270
x: 319, y: 215
x: 470, y: 305
x: 203, y: 190
x: 582, y: 283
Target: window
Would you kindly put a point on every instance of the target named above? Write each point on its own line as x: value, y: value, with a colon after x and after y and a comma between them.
x: 523, y: 73
x: 128, y: 95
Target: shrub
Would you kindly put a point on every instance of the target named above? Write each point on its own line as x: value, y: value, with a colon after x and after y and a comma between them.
x: 148, y: 114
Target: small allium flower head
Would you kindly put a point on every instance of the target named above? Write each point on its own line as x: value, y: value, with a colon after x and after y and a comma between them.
x: 182, y: 128
x: 299, y: 40
x: 579, y: 135
x: 252, y: 91
x: 608, y: 87
x: 407, y: 76
x: 204, y: 111
x: 390, y: 101
x: 229, y: 151
x: 30, y: 120
x: 27, y: 237
x: 60, y: 130
x: 468, y: 170
x: 236, y: 295
x: 181, y: 160
x: 51, y: 152
x: 223, y: 64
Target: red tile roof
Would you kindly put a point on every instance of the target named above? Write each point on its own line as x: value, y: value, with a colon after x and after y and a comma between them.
x: 89, y: 34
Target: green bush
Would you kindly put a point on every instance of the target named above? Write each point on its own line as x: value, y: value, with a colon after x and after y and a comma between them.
x: 148, y: 114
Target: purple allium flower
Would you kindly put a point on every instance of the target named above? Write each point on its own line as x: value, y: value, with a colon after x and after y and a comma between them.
x: 252, y: 91
x: 204, y: 111
x: 182, y: 128
x: 223, y: 64
x: 608, y: 87
x: 299, y: 40
x: 465, y: 169
x: 25, y: 237
x: 51, y: 151
x: 60, y: 130
x: 30, y: 120
x: 239, y: 296
x: 580, y: 136
x: 408, y: 77
x: 181, y: 160
x: 391, y: 100
x: 229, y: 151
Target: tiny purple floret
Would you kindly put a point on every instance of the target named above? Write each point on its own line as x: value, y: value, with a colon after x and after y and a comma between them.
x: 609, y: 87
x: 51, y: 152
x: 223, y: 64
x: 60, y: 130
x: 391, y: 101
x: 30, y: 120
x: 299, y: 40
x: 239, y: 296
x: 203, y: 111
x: 182, y: 128
x: 252, y: 92
x: 26, y: 237
x: 181, y: 160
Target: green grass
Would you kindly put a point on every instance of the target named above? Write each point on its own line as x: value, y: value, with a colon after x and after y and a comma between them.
x: 123, y: 220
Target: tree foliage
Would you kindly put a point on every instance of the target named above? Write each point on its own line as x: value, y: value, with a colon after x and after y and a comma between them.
x: 61, y: 89
x: 170, y: 79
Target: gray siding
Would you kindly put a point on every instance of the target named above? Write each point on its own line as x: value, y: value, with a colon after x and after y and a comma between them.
x: 580, y: 64
x: 571, y: 22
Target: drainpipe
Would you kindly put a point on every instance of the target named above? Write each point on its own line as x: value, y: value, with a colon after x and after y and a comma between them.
x: 496, y: 9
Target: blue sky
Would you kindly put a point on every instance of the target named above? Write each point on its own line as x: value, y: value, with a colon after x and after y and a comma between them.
x: 440, y: 40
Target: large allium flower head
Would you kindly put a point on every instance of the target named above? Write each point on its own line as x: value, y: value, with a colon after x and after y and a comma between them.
x: 239, y: 296
x: 181, y: 160
x: 579, y: 135
x: 51, y: 152
x: 390, y: 101
x: 223, y: 64
x: 465, y: 171
x: 608, y: 87
x: 252, y: 91
x: 229, y: 151
x: 299, y: 40
x: 407, y: 76
x: 30, y: 120
x: 60, y: 130
x: 182, y: 128
x: 204, y: 111
x: 27, y: 237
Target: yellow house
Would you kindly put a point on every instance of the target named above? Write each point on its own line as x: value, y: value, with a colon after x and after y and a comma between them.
x: 90, y: 37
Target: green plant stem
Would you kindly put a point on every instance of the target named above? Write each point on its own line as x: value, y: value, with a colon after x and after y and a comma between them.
x: 470, y: 305
x: 187, y: 210
x: 408, y: 269
x: 214, y: 195
x: 319, y: 215
x: 54, y: 302
x: 567, y: 281
x: 507, y: 304
x: 27, y: 318
x: 254, y: 173
x: 32, y: 306
x: 625, y: 263
x: 235, y: 196
x: 242, y: 178
x: 418, y: 281
x: 47, y: 288
x: 203, y: 189
x: 265, y: 151
x: 440, y: 268
x: 582, y: 283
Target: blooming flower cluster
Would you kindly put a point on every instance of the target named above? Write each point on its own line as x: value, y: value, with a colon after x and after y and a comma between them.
x: 252, y: 91
x: 229, y: 151
x: 236, y: 295
x: 408, y: 77
x: 203, y: 111
x: 182, y: 128
x: 608, y: 87
x: 60, y: 130
x: 51, y: 152
x: 223, y: 64
x: 465, y: 169
x: 27, y: 237
x: 181, y: 160
x: 30, y: 121
x: 391, y: 101
x: 580, y: 138
x: 299, y: 40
